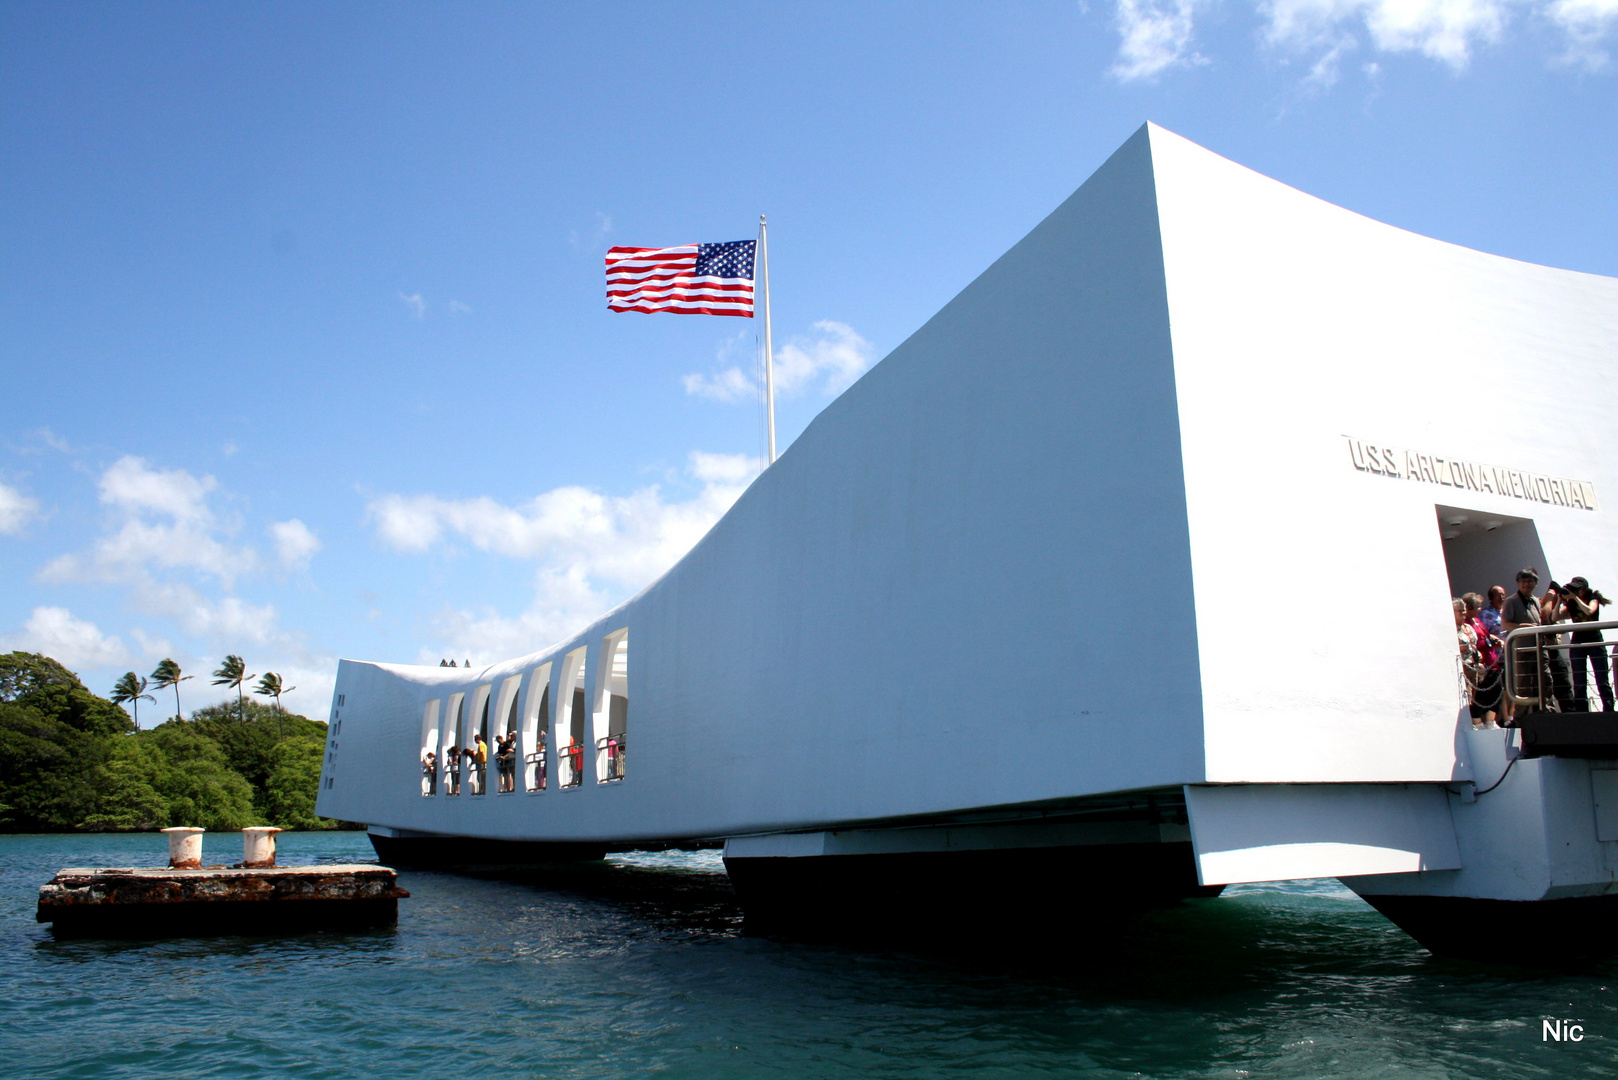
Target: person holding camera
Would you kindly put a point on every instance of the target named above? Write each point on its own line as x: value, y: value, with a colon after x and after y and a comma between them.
x: 1583, y: 605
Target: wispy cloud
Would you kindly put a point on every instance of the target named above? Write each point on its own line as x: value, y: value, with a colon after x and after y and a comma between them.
x: 1154, y: 36
x: 416, y: 303
x: 54, y: 632
x: 589, y: 549
x: 1589, y: 27
x: 16, y: 510
x: 828, y: 359
x: 174, y: 557
x: 458, y: 308
x: 295, y: 545
x: 162, y: 520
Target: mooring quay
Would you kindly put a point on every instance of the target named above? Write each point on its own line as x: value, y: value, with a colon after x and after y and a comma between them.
x: 187, y: 898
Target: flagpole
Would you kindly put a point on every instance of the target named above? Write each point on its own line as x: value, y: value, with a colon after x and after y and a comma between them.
x: 769, y: 349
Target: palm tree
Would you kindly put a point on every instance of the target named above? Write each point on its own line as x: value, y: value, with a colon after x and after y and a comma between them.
x: 270, y: 685
x: 168, y: 674
x: 131, y: 688
x: 233, y: 673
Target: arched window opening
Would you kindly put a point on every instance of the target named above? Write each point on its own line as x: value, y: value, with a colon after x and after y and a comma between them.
x: 477, y: 744
x: 570, y: 757
x: 612, y: 707
x: 537, y: 731
x: 504, y: 746
x: 429, y: 749
x: 449, y: 753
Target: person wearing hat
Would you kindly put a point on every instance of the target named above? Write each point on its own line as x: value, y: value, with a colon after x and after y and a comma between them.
x: 1522, y: 609
x: 1584, y: 606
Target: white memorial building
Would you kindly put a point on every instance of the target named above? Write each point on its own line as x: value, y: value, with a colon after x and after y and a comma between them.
x: 1127, y: 576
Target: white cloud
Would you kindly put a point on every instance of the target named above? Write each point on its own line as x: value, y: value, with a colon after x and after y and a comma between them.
x: 591, y: 549
x: 416, y: 303
x: 54, y: 632
x: 190, y: 538
x: 729, y: 384
x: 724, y: 468
x: 833, y: 356
x: 16, y: 510
x: 295, y: 545
x: 1154, y: 35
x: 1157, y: 35
x: 1589, y: 26
x: 458, y: 308
x: 132, y: 485
x: 1442, y: 30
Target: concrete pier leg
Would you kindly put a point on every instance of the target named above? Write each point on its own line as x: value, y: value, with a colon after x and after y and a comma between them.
x: 258, y: 847
x: 185, y: 847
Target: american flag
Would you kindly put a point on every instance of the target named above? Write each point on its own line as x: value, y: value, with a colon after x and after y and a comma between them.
x: 693, y: 279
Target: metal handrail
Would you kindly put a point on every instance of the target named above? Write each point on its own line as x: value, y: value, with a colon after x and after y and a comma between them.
x: 538, y: 760
x: 1539, y: 648
x: 613, y: 747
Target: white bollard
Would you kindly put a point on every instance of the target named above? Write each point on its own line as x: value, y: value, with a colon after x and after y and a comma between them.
x: 185, y: 848
x: 258, y: 846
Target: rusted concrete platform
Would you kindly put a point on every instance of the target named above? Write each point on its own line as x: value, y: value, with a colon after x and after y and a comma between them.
x: 167, y: 902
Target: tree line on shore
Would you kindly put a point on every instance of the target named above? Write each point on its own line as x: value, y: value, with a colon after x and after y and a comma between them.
x: 71, y: 760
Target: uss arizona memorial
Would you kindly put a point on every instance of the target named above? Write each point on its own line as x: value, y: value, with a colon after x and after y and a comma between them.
x: 1129, y: 572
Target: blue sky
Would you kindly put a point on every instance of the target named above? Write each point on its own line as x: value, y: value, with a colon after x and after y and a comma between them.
x: 302, y: 325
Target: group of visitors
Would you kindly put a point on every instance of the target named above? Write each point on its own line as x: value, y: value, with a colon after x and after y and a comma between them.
x: 1539, y: 671
x: 475, y: 759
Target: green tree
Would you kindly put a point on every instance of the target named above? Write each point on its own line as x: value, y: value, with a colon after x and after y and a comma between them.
x: 43, y: 684
x: 293, y: 783
x: 131, y: 688
x: 126, y: 783
x: 233, y: 672
x: 168, y: 674
x: 46, y: 770
x: 196, y: 780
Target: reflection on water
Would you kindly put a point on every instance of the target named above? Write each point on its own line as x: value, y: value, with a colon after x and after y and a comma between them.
x: 641, y: 965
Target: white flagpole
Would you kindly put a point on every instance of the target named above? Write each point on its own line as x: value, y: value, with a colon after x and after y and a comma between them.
x: 769, y: 350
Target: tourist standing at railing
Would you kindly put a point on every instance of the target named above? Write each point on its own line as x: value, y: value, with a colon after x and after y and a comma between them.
x: 1522, y: 609
x: 1584, y: 605
x: 1485, y: 686
x: 429, y: 773
x: 1472, y: 667
x: 452, y: 771
x: 480, y: 766
x: 505, y: 757
x: 1491, y: 611
x: 1553, y: 610
x: 1491, y: 622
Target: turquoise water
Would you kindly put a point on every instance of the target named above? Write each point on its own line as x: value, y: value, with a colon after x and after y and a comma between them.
x: 640, y: 967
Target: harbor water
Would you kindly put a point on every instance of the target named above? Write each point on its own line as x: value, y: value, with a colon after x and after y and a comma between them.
x: 641, y: 967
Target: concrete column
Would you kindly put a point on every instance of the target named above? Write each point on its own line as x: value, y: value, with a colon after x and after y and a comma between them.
x: 258, y: 846
x: 185, y: 848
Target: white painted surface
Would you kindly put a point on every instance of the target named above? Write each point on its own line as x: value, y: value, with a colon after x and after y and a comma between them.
x: 1295, y: 323
x: 1049, y: 549
x: 258, y: 846
x: 1270, y: 832
x: 1528, y: 833
x: 185, y: 846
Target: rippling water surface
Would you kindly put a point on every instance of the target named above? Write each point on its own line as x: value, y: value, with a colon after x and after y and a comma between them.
x: 640, y: 967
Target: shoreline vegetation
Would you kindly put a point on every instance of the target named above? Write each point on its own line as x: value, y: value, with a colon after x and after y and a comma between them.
x: 73, y: 761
